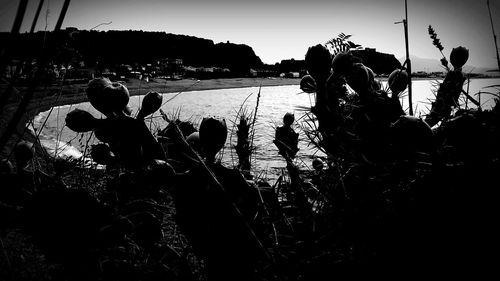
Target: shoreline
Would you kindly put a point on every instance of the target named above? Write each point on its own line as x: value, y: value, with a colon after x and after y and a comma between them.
x: 75, y: 93
x: 57, y: 95
x: 139, y: 87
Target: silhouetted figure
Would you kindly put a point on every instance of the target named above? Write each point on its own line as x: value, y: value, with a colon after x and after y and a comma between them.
x: 213, y: 135
x: 286, y: 139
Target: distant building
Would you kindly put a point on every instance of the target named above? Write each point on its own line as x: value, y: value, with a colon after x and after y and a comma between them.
x: 71, y: 29
x: 263, y: 73
x: 88, y: 73
x: 380, y: 63
x: 190, y: 68
x: 290, y: 75
x: 420, y: 74
x: 172, y: 67
x: 211, y: 72
x: 292, y: 65
x: 124, y: 71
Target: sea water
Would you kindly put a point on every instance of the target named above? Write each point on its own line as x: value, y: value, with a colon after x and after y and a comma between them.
x: 269, y: 103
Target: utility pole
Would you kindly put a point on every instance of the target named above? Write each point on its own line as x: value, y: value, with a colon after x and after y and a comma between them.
x: 407, y: 61
x: 494, y: 35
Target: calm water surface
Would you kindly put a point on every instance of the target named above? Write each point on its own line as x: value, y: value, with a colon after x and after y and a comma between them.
x: 274, y: 102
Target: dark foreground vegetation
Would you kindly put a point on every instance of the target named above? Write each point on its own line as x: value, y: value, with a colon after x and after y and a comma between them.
x: 395, y: 195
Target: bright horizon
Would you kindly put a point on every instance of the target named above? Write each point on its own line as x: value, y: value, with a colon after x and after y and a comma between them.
x: 278, y: 30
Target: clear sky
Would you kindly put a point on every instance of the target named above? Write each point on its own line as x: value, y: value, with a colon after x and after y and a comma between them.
x: 279, y: 30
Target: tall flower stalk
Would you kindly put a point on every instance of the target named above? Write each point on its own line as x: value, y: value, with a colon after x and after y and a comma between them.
x: 436, y: 42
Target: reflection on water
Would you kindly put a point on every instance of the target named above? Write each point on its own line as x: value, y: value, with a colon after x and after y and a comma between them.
x: 273, y: 104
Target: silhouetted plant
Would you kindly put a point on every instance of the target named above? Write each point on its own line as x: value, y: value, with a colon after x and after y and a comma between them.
x: 243, y: 147
x: 451, y: 88
x: 129, y: 139
x: 286, y: 139
x: 341, y: 44
x: 388, y: 195
x: 347, y: 120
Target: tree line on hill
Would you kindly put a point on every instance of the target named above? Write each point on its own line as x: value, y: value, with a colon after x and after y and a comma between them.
x: 108, y: 49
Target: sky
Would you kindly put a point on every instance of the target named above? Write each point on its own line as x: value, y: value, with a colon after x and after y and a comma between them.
x: 278, y: 29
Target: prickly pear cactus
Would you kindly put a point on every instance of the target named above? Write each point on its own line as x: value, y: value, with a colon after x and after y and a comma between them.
x: 126, y: 140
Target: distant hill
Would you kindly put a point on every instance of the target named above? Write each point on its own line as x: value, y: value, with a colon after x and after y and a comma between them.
x: 434, y: 65
x: 109, y: 48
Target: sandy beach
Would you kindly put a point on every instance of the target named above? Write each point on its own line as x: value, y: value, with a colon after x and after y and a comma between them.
x: 45, y: 98
x: 138, y: 87
x: 75, y: 93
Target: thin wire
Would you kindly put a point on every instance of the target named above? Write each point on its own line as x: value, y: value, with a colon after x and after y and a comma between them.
x: 104, y: 23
